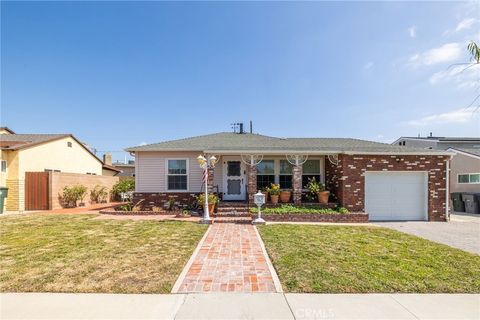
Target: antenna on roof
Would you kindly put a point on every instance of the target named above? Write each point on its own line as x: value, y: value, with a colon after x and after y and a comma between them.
x: 238, y: 126
x: 251, y: 126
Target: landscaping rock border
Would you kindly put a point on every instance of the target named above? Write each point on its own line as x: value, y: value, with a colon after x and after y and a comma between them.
x: 312, y: 217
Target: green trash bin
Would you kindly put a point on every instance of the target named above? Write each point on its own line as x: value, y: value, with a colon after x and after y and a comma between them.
x: 457, y: 202
x: 3, y: 195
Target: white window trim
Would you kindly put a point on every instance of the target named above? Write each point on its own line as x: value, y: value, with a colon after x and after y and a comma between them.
x: 321, y: 173
x: 187, y: 174
x: 463, y: 174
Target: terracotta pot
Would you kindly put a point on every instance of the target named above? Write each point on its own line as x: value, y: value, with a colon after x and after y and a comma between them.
x: 265, y: 193
x: 274, y: 198
x: 323, y: 197
x: 211, y: 208
x: 285, y: 196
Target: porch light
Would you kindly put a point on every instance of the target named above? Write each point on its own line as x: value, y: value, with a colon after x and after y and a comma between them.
x: 205, y: 164
x: 259, y: 200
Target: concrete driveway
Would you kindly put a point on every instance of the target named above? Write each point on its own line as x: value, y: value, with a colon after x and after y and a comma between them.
x: 462, y: 232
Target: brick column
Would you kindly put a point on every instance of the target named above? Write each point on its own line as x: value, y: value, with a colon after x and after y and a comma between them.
x: 210, y: 180
x: 297, y: 183
x: 252, y: 182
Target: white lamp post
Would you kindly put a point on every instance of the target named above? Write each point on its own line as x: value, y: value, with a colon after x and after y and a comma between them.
x: 205, y: 164
x: 259, y: 200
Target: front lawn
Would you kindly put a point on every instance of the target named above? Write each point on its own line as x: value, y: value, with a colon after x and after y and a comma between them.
x: 346, y: 259
x: 76, y: 253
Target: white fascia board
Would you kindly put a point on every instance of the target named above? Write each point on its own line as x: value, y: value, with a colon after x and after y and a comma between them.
x: 463, y: 153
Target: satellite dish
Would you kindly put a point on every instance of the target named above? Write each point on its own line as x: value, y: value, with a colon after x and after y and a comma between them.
x: 333, y: 158
x: 252, y: 159
x: 296, y: 159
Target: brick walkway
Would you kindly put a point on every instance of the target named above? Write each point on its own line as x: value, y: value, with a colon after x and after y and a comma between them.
x: 230, y: 259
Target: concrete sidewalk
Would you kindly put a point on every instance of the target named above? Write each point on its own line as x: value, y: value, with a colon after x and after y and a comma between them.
x: 239, y: 306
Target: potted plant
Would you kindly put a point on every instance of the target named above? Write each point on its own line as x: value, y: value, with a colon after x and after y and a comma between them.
x: 274, y: 192
x: 285, y: 195
x: 318, y: 189
x: 212, y: 201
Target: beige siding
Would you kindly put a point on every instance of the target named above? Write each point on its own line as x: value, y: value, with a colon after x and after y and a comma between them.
x: 463, y: 164
x: 150, y: 175
x: 56, y: 155
x: 218, y: 174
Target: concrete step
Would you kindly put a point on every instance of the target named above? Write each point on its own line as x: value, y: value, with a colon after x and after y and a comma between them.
x: 232, y: 220
x: 232, y: 209
x: 233, y: 214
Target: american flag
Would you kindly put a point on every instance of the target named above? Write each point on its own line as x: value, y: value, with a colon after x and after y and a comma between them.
x: 205, y: 175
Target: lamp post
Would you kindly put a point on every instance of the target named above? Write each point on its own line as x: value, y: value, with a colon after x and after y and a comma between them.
x: 259, y: 200
x: 206, y: 163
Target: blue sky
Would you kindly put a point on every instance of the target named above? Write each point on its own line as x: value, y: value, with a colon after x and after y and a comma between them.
x: 118, y: 74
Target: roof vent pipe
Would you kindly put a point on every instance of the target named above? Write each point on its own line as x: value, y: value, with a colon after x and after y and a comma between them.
x: 241, y: 128
x: 251, y: 126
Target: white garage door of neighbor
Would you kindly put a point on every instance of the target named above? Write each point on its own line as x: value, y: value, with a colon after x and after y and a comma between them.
x: 396, y: 195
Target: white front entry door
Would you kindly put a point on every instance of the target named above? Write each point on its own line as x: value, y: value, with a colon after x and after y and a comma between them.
x: 398, y: 195
x: 234, y: 179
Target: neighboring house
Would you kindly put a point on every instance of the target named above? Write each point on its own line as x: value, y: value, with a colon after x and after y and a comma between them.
x: 25, y: 156
x: 128, y: 169
x: 108, y: 169
x: 388, y: 182
x: 465, y: 166
x: 465, y: 170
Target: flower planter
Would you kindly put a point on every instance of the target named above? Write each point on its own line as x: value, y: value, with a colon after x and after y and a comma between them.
x: 265, y: 193
x: 211, y: 208
x: 285, y: 196
x: 323, y: 197
x: 274, y: 198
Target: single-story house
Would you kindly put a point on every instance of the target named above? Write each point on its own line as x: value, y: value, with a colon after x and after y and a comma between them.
x: 35, y: 167
x: 388, y: 182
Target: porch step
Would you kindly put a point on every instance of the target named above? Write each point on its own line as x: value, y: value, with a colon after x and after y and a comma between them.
x: 233, y: 220
x: 233, y: 214
x: 233, y: 209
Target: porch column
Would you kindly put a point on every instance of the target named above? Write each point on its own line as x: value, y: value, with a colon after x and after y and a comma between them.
x: 297, y: 183
x: 252, y: 183
x: 210, y: 180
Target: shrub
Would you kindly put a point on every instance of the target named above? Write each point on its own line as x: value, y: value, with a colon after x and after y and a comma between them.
x: 99, y: 194
x: 212, y: 199
x: 274, y: 189
x: 299, y: 209
x: 71, y: 195
x: 124, y: 185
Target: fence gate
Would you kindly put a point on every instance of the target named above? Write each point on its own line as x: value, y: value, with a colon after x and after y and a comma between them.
x: 36, y: 191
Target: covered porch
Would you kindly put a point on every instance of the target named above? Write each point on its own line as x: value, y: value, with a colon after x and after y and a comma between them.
x: 237, y: 177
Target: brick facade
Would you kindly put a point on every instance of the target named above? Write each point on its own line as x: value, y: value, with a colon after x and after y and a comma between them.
x: 346, y: 180
x: 297, y: 183
x: 252, y: 182
x: 210, y: 182
x: 150, y: 201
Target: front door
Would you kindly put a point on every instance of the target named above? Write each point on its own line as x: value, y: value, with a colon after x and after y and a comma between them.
x: 233, y: 179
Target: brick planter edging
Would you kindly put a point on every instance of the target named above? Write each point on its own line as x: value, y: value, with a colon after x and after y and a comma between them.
x: 137, y: 213
x: 347, y: 217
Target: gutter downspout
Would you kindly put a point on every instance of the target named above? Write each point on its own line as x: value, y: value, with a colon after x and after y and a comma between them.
x: 447, y: 190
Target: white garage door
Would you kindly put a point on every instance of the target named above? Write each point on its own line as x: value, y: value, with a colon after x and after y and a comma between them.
x: 396, y: 195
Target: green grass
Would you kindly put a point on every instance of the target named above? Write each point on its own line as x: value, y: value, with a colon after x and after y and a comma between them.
x: 299, y: 209
x: 76, y: 253
x: 345, y: 259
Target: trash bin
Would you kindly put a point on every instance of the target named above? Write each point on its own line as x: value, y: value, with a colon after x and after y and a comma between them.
x: 457, y: 202
x: 471, y: 204
x: 3, y: 195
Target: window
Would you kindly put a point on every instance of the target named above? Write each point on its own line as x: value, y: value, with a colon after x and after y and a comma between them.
x: 177, y: 174
x: 285, y: 177
x: 69, y: 144
x: 3, y: 166
x: 472, y: 178
x: 265, y: 174
x: 311, y: 169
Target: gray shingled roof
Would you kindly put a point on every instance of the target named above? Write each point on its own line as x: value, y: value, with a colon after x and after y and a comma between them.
x: 20, y: 141
x: 475, y: 152
x: 233, y: 142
